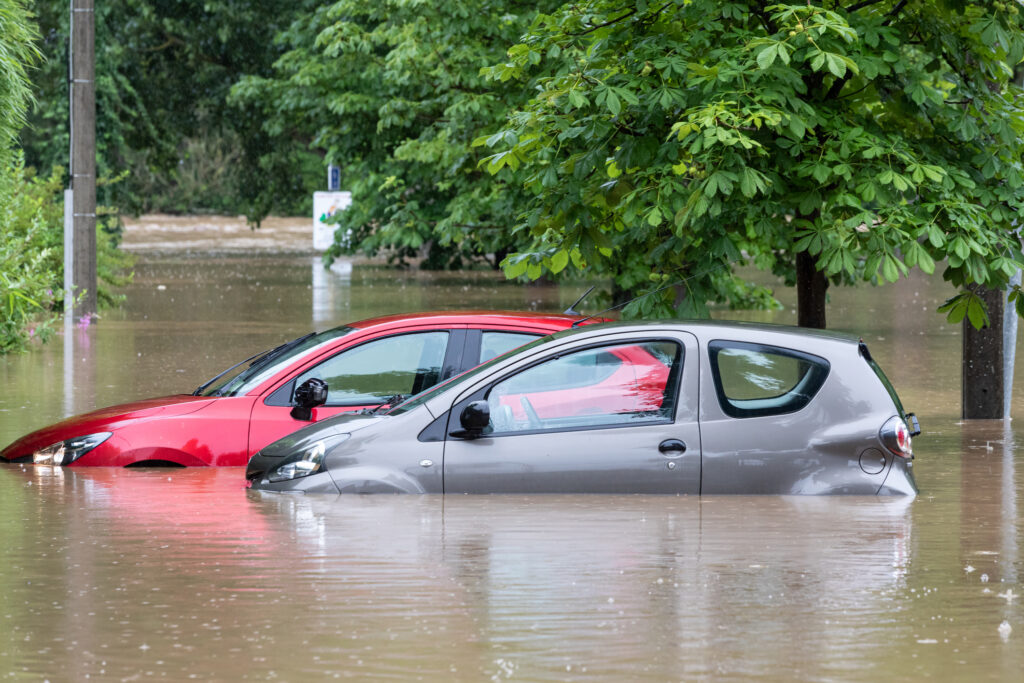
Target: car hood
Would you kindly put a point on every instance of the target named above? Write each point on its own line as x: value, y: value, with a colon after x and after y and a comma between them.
x: 105, y: 420
x: 345, y: 423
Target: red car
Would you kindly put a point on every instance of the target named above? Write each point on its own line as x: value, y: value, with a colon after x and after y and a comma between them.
x: 363, y: 365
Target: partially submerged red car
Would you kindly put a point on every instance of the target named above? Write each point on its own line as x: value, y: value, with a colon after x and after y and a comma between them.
x: 364, y: 365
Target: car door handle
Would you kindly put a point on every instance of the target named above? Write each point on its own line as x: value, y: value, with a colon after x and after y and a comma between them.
x: 674, y: 446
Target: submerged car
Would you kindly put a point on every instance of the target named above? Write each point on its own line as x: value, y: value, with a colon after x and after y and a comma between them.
x: 658, y: 407
x: 363, y: 365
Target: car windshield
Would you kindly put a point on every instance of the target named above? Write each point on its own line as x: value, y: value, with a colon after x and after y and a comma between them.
x: 433, y: 391
x: 267, y: 364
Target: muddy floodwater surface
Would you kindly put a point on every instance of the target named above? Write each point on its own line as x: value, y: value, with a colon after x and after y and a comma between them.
x: 113, y: 574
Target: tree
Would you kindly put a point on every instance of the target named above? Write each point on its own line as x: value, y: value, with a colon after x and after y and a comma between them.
x: 17, y: 54
x: 823, y: 142
x: 391, y: 92
x: 163, y: 72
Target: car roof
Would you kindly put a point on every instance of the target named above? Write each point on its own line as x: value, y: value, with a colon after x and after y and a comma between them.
x: 711, y: 326
x: 553, y: 321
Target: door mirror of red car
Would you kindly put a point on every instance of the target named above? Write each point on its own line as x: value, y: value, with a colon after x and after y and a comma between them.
x: 474, y: 420
x: 309, y: 395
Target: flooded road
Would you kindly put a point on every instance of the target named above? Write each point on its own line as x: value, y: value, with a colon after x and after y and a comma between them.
x: 183, y: 574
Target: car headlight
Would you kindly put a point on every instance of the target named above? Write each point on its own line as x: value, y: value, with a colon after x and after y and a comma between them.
x: 307, y: 461
x: 67, y: 451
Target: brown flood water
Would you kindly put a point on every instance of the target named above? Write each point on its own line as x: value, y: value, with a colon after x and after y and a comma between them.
x: 183, y: 574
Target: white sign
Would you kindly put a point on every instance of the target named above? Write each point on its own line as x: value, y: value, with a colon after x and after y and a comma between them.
x: 325, y: 205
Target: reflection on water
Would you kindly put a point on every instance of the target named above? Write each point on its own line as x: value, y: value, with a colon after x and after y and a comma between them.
x: 131, y: 574
x: 118, y: 574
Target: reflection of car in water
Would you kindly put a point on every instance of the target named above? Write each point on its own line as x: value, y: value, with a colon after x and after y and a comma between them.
x: 659, y: 407
x: 681, y: 582
x: 227, y: 419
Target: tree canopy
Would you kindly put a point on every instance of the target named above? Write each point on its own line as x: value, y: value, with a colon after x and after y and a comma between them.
x: 692, y: 135
x: 392, y: 93
x: 163, y: 72
x: 17, y: 54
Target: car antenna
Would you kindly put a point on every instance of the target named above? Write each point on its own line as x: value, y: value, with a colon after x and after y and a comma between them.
x: 682, y: 281
x: 571, y: 310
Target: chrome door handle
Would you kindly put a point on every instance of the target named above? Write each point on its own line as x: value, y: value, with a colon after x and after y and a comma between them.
x: 673, y: 446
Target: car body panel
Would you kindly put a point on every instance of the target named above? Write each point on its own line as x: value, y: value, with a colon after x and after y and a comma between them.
x: 215, y: 430
x: 611, y: 459
x: 829, y: 443
x: 814, y: 450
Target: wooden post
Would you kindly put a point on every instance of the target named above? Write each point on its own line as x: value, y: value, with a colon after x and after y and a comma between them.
x: 83, y: 155
x: 982, y: 363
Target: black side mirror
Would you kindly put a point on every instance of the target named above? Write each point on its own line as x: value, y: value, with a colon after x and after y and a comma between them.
x: 309, y: 395
x: 474, y: 420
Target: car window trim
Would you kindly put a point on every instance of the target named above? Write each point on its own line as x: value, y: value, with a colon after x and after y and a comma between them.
x: 480, y: 394
x: 821, y: 364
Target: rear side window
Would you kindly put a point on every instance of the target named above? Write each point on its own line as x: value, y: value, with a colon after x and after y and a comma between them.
x: 494, y: 344
x: 753, y: 380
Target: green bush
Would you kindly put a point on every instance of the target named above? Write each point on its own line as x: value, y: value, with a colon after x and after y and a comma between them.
x: 32, y: 254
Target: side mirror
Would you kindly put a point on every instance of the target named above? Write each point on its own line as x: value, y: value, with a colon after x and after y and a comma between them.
x: 309, y: 395
x: 474, y: 420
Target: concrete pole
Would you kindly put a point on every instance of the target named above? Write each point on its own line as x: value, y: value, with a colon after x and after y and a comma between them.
x: 982, y: 371
x: 83, y: 155
x: 1009, y: 349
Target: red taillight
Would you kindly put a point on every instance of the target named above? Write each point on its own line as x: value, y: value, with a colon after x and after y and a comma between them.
x: 896, y: 437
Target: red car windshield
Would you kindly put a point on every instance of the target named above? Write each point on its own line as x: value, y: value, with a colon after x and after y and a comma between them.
x: 268, y: 364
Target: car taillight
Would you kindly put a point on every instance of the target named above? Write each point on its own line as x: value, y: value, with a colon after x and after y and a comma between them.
x: 896, y: 437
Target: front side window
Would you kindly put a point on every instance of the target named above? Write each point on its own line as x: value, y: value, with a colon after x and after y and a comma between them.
x: 754, y: 379
x: 371, y: 373
x: 603, y: 386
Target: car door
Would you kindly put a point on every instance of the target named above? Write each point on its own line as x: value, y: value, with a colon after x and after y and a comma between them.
x: 616, y: 416
x: 363, y: 375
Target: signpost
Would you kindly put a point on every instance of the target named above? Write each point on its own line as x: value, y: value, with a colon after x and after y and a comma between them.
x: 325, y: 205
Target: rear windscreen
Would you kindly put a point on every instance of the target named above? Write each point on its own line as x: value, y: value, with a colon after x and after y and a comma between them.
x: 885, y: 380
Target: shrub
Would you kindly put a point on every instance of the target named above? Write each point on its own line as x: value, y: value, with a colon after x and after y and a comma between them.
x: 32, y: 254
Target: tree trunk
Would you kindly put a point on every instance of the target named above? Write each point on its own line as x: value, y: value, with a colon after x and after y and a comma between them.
x: 982, y: 364
x: 811, y: 286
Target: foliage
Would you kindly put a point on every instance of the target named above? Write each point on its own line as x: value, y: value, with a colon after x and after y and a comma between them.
x: 691, y: 135
x: 163, y: 71
x: 17, y: 54
x: 391, y: 91
x: 32, y: 254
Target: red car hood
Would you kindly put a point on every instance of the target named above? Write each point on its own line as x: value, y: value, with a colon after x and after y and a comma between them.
x: 105, y: 420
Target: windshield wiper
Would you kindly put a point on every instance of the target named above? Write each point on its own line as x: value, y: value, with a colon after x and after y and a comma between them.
x: 389, y: 402
x: 258, y: 360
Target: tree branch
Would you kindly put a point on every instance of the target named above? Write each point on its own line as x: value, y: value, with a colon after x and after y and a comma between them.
x: 861, y: 5
x: 895, y: 10
x: 616, y: 20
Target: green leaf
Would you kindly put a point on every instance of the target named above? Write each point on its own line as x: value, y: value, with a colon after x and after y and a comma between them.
x: 976, y: 312
x: 654, y: 217
x: 559, y: 260
x: 766, y: 57
x: 612, y: 101
x: 836, y: 65
x: 889, y: 269
x: 514, y: 268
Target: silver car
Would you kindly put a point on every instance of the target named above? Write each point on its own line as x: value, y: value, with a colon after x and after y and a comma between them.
x: 645, y: 407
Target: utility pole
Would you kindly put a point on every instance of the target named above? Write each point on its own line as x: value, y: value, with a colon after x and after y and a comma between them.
x: 83, y: 158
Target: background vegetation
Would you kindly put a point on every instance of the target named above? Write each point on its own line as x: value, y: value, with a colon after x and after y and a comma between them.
x: 657, y: 144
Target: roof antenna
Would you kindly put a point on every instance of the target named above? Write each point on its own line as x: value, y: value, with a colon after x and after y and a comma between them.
x: 572, y: 309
